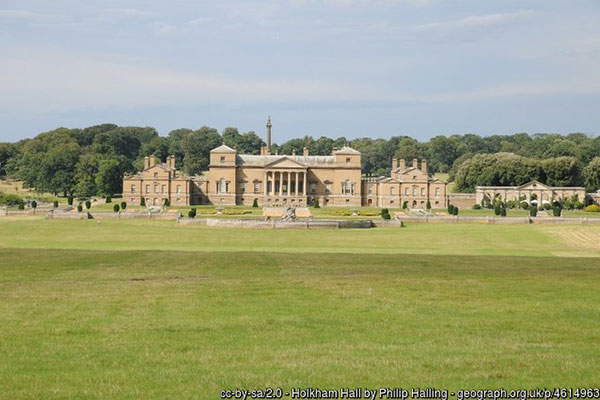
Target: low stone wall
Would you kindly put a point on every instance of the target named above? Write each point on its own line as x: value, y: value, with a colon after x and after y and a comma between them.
x: 275, y: 224
x: 501, y: 220
x: 102, y: 215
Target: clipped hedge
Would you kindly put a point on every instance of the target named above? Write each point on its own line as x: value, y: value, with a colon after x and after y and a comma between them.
x: 592, y: 208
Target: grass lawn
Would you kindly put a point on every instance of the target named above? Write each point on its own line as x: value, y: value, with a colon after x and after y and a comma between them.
x: 146, y: 309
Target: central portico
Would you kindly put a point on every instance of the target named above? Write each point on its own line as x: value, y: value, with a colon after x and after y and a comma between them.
x: 286, y: 182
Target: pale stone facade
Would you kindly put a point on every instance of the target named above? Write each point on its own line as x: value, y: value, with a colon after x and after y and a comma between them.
x: 278, y: 180
x: 284, y: 180
x: 159, y: 182
x: 533, y: 192
x: 412, y: 185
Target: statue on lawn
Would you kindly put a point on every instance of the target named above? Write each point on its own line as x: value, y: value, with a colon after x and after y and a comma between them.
x: 289, y: 214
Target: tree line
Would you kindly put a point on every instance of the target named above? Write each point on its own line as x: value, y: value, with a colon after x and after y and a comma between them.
x: 92, y: 161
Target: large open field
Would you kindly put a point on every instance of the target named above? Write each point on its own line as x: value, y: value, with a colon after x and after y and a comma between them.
x: 145, y: 309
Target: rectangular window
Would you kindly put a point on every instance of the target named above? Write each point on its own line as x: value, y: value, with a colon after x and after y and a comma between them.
x: 155, y: 188
x: 406, y: 191
x: 422, y: 191
x: 132, y: 188
x: 178, y: 189
x: 370, y: 189
x: 222, y: 159
x: 437, y: 192
x: 163, y: 188
x: 347, y: 160
x: 156, y: 174
x: 391, y: 191
x: 328, y: 188
x: 242, y: 187
x: 313, y: 188
x: 414, y: 191
x: 256, y: 187
x: 147, y: 188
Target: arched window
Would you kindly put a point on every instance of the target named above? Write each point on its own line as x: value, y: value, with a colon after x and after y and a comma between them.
x: 347, y: 187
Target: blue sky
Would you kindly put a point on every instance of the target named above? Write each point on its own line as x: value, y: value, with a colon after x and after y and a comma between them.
x: 351, y: 68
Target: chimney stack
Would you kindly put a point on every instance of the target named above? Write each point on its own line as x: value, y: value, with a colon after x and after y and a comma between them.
x: 269, y: 125
x: 424, y: 165
x: 146, y: 162
x: 394, y: 167
x: 294, y: 152
x: 402, y: 165
x: 415, y: 163
x: 305, y: 151
x: 152, y: 162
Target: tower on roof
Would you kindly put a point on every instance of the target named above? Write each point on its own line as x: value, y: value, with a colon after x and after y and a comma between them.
x: 269, y: 125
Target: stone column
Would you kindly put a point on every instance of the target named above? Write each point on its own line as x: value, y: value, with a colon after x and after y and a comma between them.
x: 280, y: 184
x: 297, y: 184
x: 265, y: 183
x: 304, y: 176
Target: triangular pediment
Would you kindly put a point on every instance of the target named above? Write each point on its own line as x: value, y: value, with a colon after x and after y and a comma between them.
x: 533, y: 185
x: 285, y: 162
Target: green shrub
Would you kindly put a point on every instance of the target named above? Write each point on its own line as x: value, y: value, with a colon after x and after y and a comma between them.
x: 428, y: 205
x: 476, y: 207
x: 567, y: 204
x: 88, y: 204
x: 533, y: 212
x: 546, y: 206
x: 578, y: 205
x: 70, y: 200
x: 108, y: 199
x: 11, y: 200
x: 556, y: 210
x: 255, y: 203
x: 55, y: 204
x: 21, y: 206
x: 166, y: 203
x: 405, y: 205
x: 123, y: 205
x: 592, y: 208
x: 316, y: 204
x: 79, y: 208
x: 497, y: 209
x: 34, y: 204
x: 524, y: 205
x: 450, y: 209
x: 503, y: 212
x: 454, y: 210
x: 116, y: 208
x: 142, y: 202
x: 192, y: 213
x: 385, y: 213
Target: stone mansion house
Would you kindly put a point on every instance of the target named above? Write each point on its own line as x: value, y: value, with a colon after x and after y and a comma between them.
x: 278, y: 180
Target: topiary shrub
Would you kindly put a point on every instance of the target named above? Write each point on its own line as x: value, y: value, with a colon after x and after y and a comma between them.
x: 556, y: 210
x: 578, y: 205
x: 450, y: 209
x: 592, y: 208
x: 385, y: 213
x: 70, y: 200
x: 454, y: 210
x: 428, y: 205
x: 116, y: 208
x: 142, y: 202
x: 79, y: 208
x: 192, y: 213
x: 21, y: 206
x: 476, y: 207
x: 108, y: 199
x: 55, y: 204
x: 497, y: 208
x: 166, y: 203
x: 533, y: 212
x: 255, y: 203
x: 123, y: 205
x: 34, y: 204
x: 88, y: 204
x: 405, y: 205
x: 503, y: 212
x: 546, y: 206
x: 316, y: 204
x: 524, y: 205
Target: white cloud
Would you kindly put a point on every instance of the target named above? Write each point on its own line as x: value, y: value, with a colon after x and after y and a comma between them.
x: 474, y: 21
